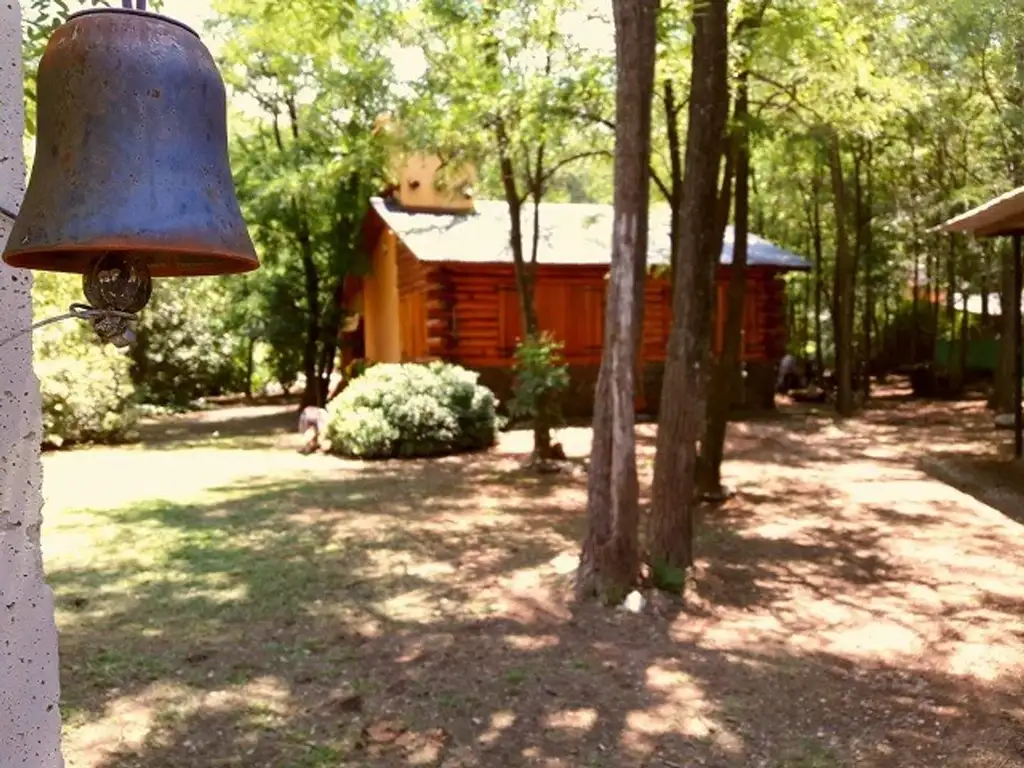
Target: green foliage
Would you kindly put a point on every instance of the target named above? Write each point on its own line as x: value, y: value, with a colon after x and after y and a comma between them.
x: 508, y: 81
x: 191, y: 342
x: 668, y: 578
x: 541, y: 377
x: 39, y: 19
x: 86, y: 387
x: 306, y: 160
x: 86, y: 398
x: 406, y: 410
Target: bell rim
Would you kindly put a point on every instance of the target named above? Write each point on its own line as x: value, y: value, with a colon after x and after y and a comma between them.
x: 216, y: 261
x: 132, y: 12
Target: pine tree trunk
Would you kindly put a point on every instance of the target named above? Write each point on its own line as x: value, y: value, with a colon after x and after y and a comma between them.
x: 610, y: 559
x: 670, y: 532
x: 727, y: 369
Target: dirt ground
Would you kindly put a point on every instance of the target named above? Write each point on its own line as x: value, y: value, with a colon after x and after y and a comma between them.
x: 224, y: 601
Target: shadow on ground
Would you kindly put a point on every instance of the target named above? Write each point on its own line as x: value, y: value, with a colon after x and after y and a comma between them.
x: 416, y: 613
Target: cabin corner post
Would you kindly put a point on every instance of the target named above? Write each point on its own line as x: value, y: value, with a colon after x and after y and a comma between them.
x: 388, y: 320
x: 29, y: 675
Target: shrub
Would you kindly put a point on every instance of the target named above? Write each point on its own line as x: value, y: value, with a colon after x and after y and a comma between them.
x: 541, y: 378
x: 190, y: 344
x: 88, y: 398
x: 87, y: 393
x: 408, y: 410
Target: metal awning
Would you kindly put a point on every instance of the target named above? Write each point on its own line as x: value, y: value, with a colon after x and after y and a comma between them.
x: 1003, y: 215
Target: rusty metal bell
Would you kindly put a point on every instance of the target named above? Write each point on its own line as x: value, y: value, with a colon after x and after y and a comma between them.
x: 131, y: 153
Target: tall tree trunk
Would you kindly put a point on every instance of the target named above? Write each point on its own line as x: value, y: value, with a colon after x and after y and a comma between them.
x: 867, y: 227
x: 956, y: 378
x: 331, y: 339
x: 843, y: 298
x: 859, y: 252
x: 915, y: 324
x: 915, y: 306
x: 676, y: 174
x: 805, y: 333
x: 525, y: 271
x: 311, y: 275
x: 670, y: 533
x: 819, y: 352
x: 311, y: 395
x: 1004, y: 391
x: 964, y: 324
x: 543, y: 450
x: 609, y: 561
x: 727, y: 370
x: 985, y: 286
x: 934, y: 284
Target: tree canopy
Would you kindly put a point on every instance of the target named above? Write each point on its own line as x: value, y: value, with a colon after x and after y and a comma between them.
x: 869, y: 122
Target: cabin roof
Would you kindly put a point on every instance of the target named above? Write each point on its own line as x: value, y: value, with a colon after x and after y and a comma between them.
x: 570, y: 234
x: 1002, y: 215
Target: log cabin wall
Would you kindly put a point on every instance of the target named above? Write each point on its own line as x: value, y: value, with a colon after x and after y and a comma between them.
x: 382, y: 329
x: 412, y: 306
x: 764, y: 315
x: 469, y: 314
x: 473, y: 315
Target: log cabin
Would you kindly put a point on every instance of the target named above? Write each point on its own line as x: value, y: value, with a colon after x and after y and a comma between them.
x: 441, y: 285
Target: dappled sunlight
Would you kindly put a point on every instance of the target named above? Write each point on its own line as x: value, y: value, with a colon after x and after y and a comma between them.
x: 684, y: 710
x: 500, y: 722
x: 255, y: 607
x: 139, y: 721
x: 123, y: 724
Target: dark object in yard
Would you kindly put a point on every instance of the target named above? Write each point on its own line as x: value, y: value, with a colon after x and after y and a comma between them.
x: 811, y: 394
x: 351, y: 703
x: 930, y: 383
x: 789, y: 377
x: 790, y: 381
x: 131, y: 154
x: 313, y: 420
x: 312, y: 426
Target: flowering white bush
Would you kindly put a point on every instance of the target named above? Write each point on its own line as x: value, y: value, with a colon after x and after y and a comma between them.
x: 406, y: 410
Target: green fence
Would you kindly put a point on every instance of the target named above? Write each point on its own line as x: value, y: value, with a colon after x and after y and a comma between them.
x: 982, y: 355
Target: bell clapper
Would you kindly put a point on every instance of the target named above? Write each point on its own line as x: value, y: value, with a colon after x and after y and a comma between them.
x: 118, y: 286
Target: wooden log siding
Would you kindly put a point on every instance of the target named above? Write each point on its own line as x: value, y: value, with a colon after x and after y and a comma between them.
x: 440, y: 299
x: 469, y: 313
x: 412, y: 306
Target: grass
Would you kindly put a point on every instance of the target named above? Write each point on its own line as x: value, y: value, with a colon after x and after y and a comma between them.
x: 223, y: 601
